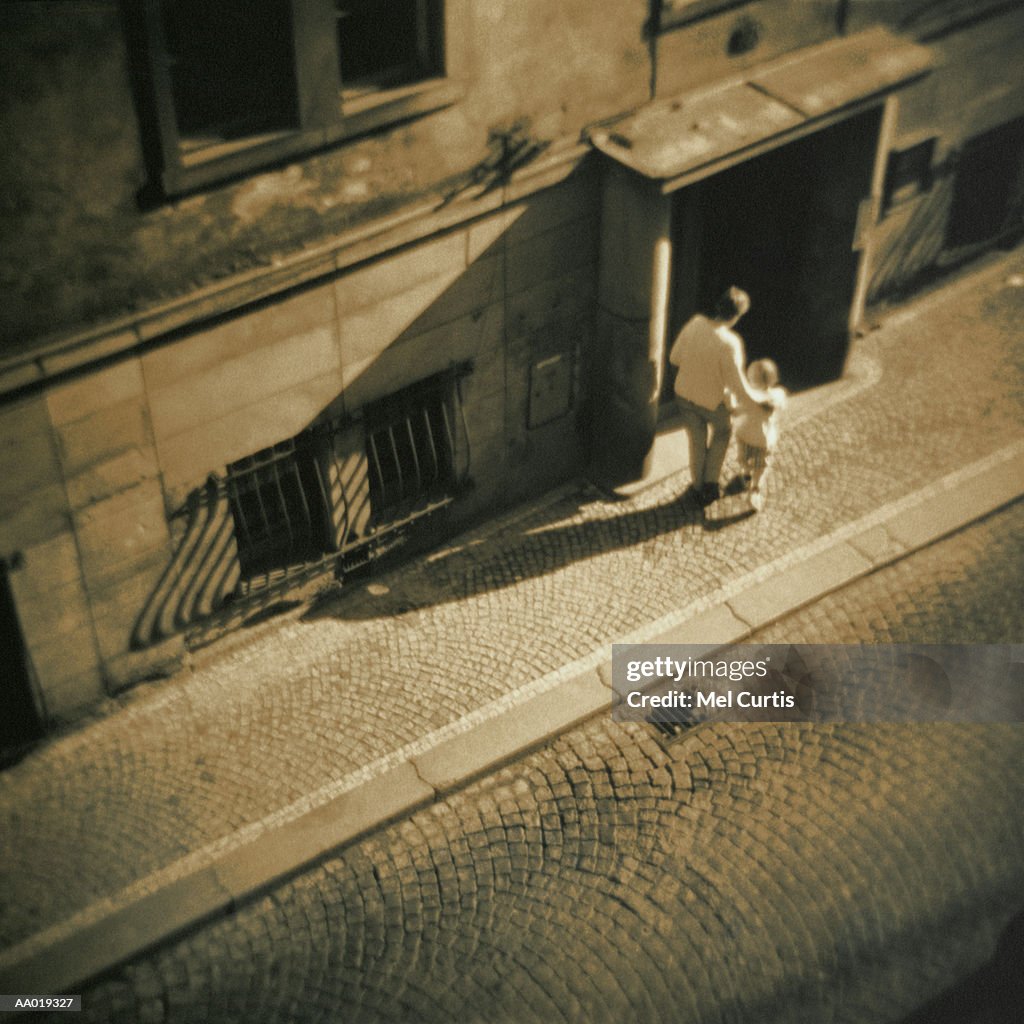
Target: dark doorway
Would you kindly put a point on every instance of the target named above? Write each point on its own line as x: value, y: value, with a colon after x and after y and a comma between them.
x: 988, y: 197
x: 19, y: 719
x: 781, y: 226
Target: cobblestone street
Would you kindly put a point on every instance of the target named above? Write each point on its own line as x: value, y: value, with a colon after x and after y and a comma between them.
x: 276, y: 717
x: 742, y: 873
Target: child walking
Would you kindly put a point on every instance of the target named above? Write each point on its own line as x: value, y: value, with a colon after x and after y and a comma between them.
x: 757, y: 428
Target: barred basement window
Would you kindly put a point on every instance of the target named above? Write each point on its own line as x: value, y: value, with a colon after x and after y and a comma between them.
x: 279, y: 503
x: 411, y: 446
x: 344, y: 491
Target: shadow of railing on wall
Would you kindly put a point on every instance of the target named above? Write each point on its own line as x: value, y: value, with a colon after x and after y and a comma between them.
x: 203, y: 573
x: 915, y: 251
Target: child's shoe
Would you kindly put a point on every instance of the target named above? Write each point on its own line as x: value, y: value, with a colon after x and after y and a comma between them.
x: 757, y: 499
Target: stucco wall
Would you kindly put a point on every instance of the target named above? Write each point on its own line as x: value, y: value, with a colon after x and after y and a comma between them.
x: 740, y: 37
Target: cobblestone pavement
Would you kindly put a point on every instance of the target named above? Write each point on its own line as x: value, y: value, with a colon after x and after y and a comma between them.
x: 270, y: 721
x: 744, y: 873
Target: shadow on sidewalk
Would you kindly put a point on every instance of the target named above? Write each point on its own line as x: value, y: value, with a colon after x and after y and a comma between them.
x: 464, y: 569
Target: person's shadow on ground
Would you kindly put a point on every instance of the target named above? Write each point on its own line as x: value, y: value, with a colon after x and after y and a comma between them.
x: 461, y: 569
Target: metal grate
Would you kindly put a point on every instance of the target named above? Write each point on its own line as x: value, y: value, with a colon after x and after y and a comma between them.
x: 668, y: 725
x: 348, y: 487
x: 279, y: 502
x: 411, y: 454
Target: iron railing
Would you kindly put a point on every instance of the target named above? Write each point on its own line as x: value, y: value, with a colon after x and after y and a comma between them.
x: 346, y: 490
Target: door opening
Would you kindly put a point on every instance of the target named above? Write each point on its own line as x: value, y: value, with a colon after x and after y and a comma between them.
x: 782, y: 226
x: 19, y: 719
x: 988, y: 197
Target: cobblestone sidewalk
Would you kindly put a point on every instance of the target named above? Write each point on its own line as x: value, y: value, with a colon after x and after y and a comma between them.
x: 281, y: 719
x: 763, y: 873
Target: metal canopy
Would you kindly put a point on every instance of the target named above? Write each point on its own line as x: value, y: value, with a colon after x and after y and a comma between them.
x: 678, y: 141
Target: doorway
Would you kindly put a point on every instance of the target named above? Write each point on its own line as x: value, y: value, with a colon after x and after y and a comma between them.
x: 19, y: 719
x: 783, y: 227
x: 988, y: 196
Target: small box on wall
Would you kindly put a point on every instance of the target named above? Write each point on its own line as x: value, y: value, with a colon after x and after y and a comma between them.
x: 551, y: 389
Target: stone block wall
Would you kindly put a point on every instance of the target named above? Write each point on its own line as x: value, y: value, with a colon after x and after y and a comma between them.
x: 101, y: 425
x: 46, y: 580
x: 124, y: 544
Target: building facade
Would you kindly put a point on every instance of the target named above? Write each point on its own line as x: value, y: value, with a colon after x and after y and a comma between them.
x: 288, y: 283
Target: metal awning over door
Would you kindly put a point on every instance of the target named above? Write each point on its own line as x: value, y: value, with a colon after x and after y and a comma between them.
x: 678, y: 141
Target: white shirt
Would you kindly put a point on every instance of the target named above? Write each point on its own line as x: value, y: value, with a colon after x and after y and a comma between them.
x: 758, y: 426
x: 710, y: 360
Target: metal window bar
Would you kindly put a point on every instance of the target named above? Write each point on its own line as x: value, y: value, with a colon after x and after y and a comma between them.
x: 376, y: 459
x: 433, y: 447
x: 448, y: 428
x: 412, y: 448
x: 275, y: 472
x: 397, y: 458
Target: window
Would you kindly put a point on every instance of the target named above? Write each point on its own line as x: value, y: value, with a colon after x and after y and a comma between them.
x: 278, y: 501
x: 222, y: 93
x: 239, y: 84
x: 988, y: 193
x: 909, y: 173
x: 348, y: 487
x: 370, y: 60
x: 411, y: 447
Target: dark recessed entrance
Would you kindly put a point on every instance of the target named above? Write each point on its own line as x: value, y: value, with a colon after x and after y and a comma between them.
x: 988, y: 198
x: 783, y: 227
x: 19, y: 720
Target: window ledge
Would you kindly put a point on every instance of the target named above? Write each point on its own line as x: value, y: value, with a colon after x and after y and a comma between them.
x: 675, y: 13
x: 212, y: 164
x: 373, y: 110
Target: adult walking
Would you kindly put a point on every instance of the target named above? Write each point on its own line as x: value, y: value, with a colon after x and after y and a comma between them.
x: 710, y: 359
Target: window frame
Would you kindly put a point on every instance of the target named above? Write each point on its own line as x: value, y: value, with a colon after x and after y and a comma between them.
x: 427, y: 43
x: 424, y: 420
x: 324, y: 116
x: 909, y: 172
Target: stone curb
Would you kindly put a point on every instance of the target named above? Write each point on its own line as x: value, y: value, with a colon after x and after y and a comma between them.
x: 284, y: 850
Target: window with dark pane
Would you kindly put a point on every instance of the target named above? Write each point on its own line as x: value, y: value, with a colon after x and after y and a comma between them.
x: 909, y: 172
x: 988, y: 195
x: 232, y: 86
x: 231, y: 68
x: 279, y: 505
x: 410, y: 448
x: 384, y: 43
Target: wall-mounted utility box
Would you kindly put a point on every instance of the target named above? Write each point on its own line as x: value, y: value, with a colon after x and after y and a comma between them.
x: 550, y: 389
